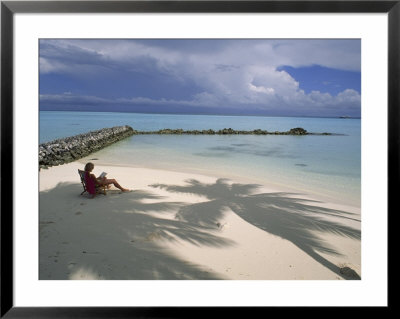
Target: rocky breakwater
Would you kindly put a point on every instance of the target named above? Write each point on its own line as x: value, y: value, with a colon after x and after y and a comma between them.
x: 230, y: 131
x: 69, y: 149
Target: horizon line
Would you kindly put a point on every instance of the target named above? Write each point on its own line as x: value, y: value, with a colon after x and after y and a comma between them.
x: 208, y: 114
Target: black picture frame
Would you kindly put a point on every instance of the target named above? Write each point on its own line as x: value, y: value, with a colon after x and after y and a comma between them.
x: 9, y: 8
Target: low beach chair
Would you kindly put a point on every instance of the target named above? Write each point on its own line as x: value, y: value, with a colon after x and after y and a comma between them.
x: 99, y: 189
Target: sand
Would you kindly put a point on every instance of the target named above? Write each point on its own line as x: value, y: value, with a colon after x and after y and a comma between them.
x: 178, y: 225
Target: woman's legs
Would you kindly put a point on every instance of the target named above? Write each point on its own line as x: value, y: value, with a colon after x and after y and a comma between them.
x: 115, y: 183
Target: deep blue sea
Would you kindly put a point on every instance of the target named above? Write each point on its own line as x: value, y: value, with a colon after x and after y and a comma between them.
x: 329, y: 165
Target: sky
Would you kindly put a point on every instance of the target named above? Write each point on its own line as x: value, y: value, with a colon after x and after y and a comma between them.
x: 288, y: 77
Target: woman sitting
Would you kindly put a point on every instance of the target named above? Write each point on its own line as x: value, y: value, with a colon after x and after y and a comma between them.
x: 92, y: 181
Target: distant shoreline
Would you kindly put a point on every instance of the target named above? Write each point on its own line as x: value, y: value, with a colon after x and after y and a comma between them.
x: 207, y: 114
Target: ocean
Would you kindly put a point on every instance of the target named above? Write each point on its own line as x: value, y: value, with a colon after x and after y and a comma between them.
x: 320, y: 164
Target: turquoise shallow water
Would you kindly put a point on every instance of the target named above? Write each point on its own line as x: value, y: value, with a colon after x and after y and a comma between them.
x: 326, y: 164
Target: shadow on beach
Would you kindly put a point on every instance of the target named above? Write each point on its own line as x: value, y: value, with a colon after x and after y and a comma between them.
x: 280, y: 214
x: 113, y: 237
x: 117, y: 236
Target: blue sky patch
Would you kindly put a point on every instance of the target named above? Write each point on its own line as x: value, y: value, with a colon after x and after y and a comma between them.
x: 323, y: 79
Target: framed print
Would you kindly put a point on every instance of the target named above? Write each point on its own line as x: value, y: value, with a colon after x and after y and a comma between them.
x: 246, y: 154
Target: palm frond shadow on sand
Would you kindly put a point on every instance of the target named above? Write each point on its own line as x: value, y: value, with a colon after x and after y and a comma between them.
x: 115, y: 237
x: 280, y: 214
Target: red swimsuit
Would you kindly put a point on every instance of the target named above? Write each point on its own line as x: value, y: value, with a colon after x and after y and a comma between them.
x: 90, y: 184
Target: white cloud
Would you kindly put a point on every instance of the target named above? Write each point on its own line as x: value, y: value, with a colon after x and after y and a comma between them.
x: 261, y: 89
x: 234, y: 73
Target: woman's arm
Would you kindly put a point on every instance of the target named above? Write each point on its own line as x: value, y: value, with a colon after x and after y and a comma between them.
x: 97, y: 180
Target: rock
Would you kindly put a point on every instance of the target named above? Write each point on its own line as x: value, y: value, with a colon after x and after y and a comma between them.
x: 260, y: 132
x: 66, y: 150
x: 226, y: 131
x: 297, y: 131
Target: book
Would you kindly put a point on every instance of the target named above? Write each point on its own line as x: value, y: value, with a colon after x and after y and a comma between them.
x: 102, y: 175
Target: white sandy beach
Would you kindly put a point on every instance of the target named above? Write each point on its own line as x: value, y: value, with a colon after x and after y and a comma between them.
x: 176, y: 225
